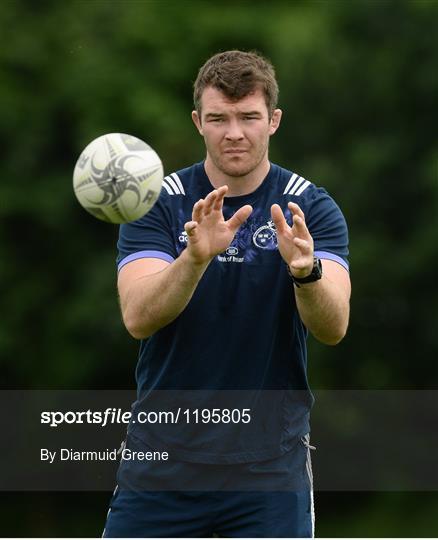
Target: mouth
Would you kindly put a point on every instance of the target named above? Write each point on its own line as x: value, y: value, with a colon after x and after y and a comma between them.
x: 235, y: 151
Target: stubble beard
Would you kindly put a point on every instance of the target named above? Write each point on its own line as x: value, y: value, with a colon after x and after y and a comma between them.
x: 238, y: 169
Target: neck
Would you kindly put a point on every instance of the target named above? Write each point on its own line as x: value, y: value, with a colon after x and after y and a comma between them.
x: 237, y: 185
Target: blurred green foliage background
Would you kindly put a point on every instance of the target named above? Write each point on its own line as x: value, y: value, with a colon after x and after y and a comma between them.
x: 358, y: 87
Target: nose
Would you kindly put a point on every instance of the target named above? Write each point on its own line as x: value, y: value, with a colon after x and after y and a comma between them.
x: 234, y: 131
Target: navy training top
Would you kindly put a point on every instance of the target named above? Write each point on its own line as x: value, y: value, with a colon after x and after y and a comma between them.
x: 240, y: 344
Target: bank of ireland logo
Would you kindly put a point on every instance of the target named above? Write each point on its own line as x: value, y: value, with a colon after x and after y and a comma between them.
x: 230, y: 255
x: 265, y: 236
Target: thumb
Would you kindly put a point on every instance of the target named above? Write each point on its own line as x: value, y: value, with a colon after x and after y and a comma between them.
x: 239, y: 217
x: 190, y: 227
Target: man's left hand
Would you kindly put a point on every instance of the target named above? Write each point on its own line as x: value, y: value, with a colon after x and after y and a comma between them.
x: 294, y: 243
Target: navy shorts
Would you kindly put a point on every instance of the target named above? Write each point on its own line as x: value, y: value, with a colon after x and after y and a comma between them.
x: 181, y: 512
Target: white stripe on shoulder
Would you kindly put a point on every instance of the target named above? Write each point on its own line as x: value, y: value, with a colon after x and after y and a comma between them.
x: 302, y: 188
x: 178, y: 183
x: 172, y: 184
x: 290, y: 183
x: 167, y: 187
x: 297, y: 185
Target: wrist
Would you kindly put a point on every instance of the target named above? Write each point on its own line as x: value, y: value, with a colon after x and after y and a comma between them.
x: 299, y: 273
x: 194, y: 261
x: 309, y: 276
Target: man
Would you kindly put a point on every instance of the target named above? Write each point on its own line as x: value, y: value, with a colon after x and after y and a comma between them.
x: 225, y: 275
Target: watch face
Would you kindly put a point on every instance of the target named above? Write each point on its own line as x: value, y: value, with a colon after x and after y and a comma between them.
x: 317, y: 267
x: 316, y: 270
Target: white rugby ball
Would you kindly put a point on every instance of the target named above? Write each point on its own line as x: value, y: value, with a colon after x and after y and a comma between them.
x: 118, y: 178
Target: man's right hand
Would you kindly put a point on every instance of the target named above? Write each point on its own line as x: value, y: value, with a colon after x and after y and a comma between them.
x: 208, y: 232
x: 154, y: 292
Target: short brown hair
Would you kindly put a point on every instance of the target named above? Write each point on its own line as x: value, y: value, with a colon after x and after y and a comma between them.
x: 237, y: 74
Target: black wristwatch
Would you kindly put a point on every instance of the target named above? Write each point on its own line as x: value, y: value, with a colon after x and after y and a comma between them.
x: 314, y: 275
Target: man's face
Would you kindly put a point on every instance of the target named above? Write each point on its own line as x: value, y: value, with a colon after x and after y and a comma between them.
x: 236, y: 133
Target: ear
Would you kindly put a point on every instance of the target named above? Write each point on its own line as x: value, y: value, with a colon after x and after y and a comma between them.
x: 275, y: 121
x: 197, y: 121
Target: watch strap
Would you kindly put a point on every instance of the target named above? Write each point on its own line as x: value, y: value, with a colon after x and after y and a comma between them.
x: 314, y: 275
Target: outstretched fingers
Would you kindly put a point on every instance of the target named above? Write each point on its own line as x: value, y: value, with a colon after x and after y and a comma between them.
x: 305, y: 246
x: 299, y: 221
x: 213, y: 202
x: 295, y: 210
x: 219, y: 202
x: 278, y: 218
x: 210, y: 201
x: 300, y: 228
x: 198, y: 210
